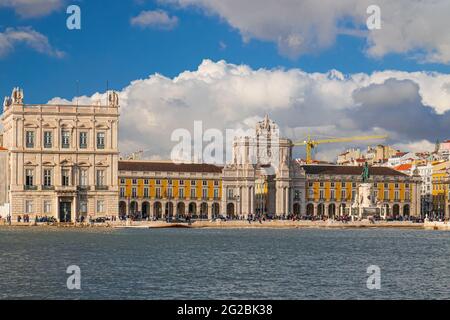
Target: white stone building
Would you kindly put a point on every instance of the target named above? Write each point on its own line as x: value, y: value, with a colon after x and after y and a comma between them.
x: 62, y: 159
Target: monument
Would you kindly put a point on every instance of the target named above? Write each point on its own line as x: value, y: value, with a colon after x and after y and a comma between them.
x: 365, y: 203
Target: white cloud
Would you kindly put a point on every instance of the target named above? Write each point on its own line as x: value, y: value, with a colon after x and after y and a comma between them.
x: 32, y: 8
x: 155, y: 19
x: 223, y: 95
x: 30, y: 38
x: 304, y: 26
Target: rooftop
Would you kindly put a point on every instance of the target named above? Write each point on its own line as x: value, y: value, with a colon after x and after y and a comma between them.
x: 167, y: 166
x: 350, y: 170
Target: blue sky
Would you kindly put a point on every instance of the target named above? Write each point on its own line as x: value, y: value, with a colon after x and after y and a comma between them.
x: 109, y: 48
x: 237, y: 60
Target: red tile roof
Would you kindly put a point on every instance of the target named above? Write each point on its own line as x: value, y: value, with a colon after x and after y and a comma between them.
x: 403, y: 167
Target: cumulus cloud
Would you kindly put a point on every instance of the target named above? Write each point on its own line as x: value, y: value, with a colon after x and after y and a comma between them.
x: 32, y: 8
x: 28, y: 37
x: 414, y: 27
x: 159, y: 19
x: 226, y: 96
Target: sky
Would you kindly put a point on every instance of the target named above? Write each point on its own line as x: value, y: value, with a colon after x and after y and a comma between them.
x: 313, y: 66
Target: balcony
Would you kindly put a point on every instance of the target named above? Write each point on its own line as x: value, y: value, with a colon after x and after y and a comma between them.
x: 30, y: 188
x: 47, y: 188
x: 83, y: 188
x: 101, y: 188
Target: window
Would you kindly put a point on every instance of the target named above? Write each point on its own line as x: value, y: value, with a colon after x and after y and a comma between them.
x: 83, y: 140
x: 100, y: 178
x: 216, y: 193
x: 321, y: 194
x: 169, y: 182
x: 193, y: 193
x: 343, y: 194
x: 204, y: 183
x: 181, y: 193
x: 321, y: 184
x: 396, y: 185
x: 83, y: 178
x: 216, y: 183
x: 158, y: 192
x: 343, y: 184
x: 83, y: 206
x: 310, y: 184
x: 386, y: 195
x: 230, y: 194
x: 311, y: 193
x: 158, y: 182
x: 47, y: 206
x: 181, y: 182
x: 100, y: 140
x: 48, y: 139
x: 332, y: 194
x: 122, y: 192
x: 29, y: 139
x: 100, y: 206
x: 146, y: 193
x: 134, y: 181
x: 28, y: 206
x: 396, y: 195
x: 353, y: 194
x: 122, y: 181
x: 193, y: 182
x: 65, y: 139
x: 169, y: 192
x: 47, y: 177
x: 332, y: 184
x: 134, y: 192
x: 297, y: 194
x: 386, y: 186
x: 29, y: 177
x: 146, y: 181
x: 205, y: 193
x: 65, y: 177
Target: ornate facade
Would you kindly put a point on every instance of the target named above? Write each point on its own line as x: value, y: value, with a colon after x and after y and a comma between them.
x: 62, y: 159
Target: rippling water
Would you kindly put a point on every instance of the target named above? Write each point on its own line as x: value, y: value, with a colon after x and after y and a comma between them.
x: 224, y: 264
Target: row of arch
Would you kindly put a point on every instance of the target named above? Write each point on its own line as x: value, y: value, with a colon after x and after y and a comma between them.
x: 170, y: 209
x: 333, y: 210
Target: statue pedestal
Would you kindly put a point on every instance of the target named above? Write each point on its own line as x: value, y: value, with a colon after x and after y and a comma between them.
x: 364, y: 204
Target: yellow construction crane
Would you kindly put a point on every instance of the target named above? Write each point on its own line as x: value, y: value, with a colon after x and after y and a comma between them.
x: 311, y: 144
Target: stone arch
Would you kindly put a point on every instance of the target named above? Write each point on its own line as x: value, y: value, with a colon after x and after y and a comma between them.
x: 310, y: 209
x: 181, y: 209
x: 296, y: 209
x: 331, y: 210
x: 396, y: 210
x: 230, y: 210
x: 203, y: 210
x: 157, y: 210
x: 145, y: 210
x: 122, y: 209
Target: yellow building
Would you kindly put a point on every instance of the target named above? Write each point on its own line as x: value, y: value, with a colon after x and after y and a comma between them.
x: 149, y: 189
x: 331, y: 190
x: 440, y: 190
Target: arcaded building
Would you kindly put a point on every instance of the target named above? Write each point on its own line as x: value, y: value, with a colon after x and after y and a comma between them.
x: 158, y: 189
x: 62, y: 158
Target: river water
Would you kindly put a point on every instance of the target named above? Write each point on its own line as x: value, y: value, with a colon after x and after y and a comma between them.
x: 224, y: 264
